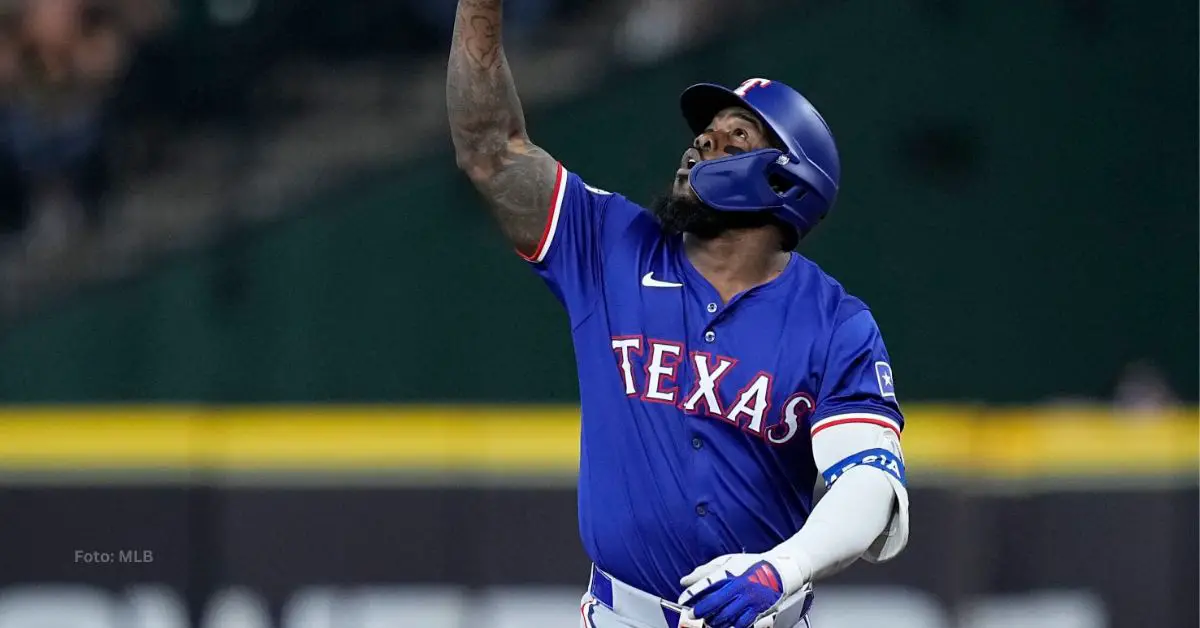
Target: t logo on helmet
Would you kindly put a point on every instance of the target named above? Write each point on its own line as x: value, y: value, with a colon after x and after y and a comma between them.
x: 751, y: 84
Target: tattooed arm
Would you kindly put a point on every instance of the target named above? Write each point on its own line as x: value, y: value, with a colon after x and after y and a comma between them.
x: 488, y: 128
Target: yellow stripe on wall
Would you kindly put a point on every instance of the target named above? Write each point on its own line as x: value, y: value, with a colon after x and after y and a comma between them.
x: 958, y: 440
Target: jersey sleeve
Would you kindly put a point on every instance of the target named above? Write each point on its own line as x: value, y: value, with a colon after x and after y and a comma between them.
x: 858, y: 385
x: 584, y: 225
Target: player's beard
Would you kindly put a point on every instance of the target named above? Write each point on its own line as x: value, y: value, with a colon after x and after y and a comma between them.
x: 686, y: 214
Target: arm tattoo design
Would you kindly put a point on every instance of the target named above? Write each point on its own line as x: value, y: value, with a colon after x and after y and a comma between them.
x: 488, y: 126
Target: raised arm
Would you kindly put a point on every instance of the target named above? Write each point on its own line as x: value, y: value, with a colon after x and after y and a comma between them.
x: 488, y: 128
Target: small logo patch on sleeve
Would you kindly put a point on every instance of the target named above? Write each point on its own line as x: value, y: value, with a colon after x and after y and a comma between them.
x: 887, y: 383
x: 595, y: 190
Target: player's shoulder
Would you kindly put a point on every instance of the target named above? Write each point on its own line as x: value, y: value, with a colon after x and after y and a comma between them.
x: 616, y: 212
x: 574, y: 179
x: 817, y: 288
x: 577, y: 185
x: 576, y: 193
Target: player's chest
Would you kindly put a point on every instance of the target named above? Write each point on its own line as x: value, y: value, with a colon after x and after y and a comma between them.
x: 745, y: 363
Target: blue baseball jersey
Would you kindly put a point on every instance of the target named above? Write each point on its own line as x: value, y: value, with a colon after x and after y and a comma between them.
x: 698, y: 414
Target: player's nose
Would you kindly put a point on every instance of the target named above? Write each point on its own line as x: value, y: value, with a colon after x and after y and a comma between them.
x: 705, y: 143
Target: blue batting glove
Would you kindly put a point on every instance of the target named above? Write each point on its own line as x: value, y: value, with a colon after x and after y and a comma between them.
x: 733, y: 590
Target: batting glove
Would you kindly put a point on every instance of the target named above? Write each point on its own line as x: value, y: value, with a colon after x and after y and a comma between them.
x: 739, y: 590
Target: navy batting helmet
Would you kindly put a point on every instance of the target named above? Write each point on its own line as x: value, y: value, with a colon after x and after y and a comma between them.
x: 798, y: 186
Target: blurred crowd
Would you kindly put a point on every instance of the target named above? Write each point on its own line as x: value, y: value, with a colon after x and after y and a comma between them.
x: 61, y: 63
x: 95, y: 94
x: 87, y: 87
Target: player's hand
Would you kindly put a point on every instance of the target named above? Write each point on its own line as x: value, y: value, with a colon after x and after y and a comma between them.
x: 734, y: 590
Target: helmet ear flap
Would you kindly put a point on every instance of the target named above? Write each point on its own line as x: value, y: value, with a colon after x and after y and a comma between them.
x: 780, y: 184
x: 789, y: 186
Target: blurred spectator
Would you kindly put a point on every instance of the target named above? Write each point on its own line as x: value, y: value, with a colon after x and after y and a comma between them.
x: 67, y: 54
x: 652, y: 30
x: 655, y: 29
x: 59, y: 65
x: 1142, y: 388
x: 13, y: 195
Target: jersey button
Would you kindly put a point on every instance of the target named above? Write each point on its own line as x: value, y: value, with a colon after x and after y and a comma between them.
x: 701, y: 509
x: 710, y: 336
x: 697, y: 443
x: 712, y: 308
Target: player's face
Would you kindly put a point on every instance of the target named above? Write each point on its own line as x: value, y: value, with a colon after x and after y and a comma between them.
x: 732, y: 131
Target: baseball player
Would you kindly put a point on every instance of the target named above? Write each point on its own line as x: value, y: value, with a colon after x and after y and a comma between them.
x: 720, y: 373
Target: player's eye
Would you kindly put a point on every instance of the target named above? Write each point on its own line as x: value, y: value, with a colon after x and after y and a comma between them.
x: 740, y: 134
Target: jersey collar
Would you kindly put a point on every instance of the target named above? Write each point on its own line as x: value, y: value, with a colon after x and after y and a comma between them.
x: 697, y: 281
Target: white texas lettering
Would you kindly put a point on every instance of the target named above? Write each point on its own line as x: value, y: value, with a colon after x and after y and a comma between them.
x: 707, y: 382
x: 664, y: 357
x: 623, y: 345
x: 753, y: 402
x: 797, y: 406
x: 751, y: 409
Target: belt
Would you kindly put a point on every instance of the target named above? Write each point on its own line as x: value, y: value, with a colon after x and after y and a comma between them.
x: 631, y: 602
